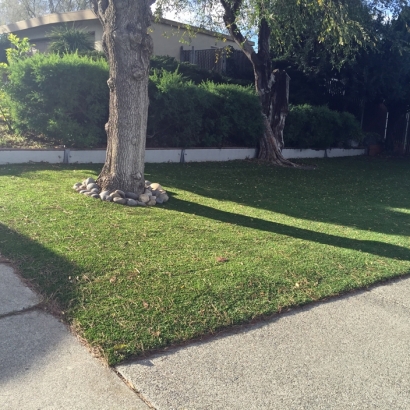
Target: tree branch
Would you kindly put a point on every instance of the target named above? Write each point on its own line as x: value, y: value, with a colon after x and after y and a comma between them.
x: 229, y: 17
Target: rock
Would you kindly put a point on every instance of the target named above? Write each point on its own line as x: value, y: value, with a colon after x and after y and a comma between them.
x: 131, y: 195
x: 77, y: 185
x: 83, y: 191
x: 147, y: 183
x: 120, y: 193
x: 119, y: 200
x: 148, y: 192
x: 159, y: 200
x: 104, y: 195
x: 88, y: 193
x: 132, y: 202
x: 144, y: 198
x: 155, y: 186
x: 82, y: 187
x: 151, y: 202
x: 95, y: 191
x: 115, y: 195
x: 96, y: 196
x: 139, y: 203
x: 162, y: 197
x: 89, y: 181
x: 92, y: 185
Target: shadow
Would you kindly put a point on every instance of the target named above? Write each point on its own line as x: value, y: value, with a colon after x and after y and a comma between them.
x: 358, y: 192
x: 372, y: 247
x: 24, y: 342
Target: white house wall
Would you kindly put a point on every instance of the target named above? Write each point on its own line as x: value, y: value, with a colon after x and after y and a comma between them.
x: 168, y: 36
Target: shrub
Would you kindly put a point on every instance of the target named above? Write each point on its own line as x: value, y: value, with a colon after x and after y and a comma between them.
x: 175, y: 111
x: 193, y: 72
x: 183, y: 114
x: 238, y: 114
x: 64, y: 98
x: 319, y: 127
x: 67, y: 39
x: 4, y: 45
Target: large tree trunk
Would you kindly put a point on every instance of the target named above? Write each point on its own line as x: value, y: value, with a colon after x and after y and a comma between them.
x: 272, y: 87
x: 275, y: 107
x: 128, y: 48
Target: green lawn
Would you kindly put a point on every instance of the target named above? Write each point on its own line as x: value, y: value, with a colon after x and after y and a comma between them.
x: 236, y: 241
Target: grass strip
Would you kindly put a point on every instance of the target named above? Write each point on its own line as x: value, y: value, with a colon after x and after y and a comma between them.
x: 237, y: 241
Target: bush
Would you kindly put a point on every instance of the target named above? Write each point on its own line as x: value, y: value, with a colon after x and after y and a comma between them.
x: 183, y: 114
x: 238, y: 114
x: 193, y: 72
x: 319, y: 127
x: 64, y: 98
x: 67, y: 39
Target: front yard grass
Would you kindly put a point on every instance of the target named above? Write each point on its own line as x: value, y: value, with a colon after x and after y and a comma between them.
x: 237, y: 241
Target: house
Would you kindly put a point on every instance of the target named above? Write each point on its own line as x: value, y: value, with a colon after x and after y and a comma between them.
x: 170, y: 37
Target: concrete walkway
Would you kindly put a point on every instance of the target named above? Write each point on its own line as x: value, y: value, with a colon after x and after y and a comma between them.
x: 348, y: 353
x: 43, y: 366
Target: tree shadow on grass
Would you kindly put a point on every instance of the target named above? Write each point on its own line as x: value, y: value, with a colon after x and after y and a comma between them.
x: 361, y: 193
x: 372, y: 247
x: 44, y: 270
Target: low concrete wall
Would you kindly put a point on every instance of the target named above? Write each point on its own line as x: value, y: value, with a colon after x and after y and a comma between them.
x: 322, y: 153
x: 215, y: 154
x: 162, y: 155
x: 95, y: 156
x: 19, y: 156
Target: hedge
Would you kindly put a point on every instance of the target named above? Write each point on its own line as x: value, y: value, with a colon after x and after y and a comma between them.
x: 63, y: 98
x: 183, y: 114
x: 319, y: 127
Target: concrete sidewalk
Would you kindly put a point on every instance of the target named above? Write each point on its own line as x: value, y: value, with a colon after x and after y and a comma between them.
x: 43, y: 366
x: 347, y: 353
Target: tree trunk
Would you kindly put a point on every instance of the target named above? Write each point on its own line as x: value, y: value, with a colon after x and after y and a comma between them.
x: 272, y: 87
x: 128, y: 48
x: 275, y: 107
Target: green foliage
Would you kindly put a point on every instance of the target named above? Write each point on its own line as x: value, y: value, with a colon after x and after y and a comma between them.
x: 319, y: 127
x: 66, y: 39
x: 183, y: 114
x: 20, y: 48
x: 4, y: 45
x: 192, y: 72
x: 63, y: 98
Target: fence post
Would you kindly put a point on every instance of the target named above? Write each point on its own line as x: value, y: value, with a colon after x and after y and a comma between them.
x: 387, y: 123
x: 407, y: 130
x: 192, y: 56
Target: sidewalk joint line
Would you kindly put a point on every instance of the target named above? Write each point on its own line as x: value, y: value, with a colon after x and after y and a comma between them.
x: 38, y: 306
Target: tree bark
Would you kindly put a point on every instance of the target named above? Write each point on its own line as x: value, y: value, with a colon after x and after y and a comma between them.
x: 272, y: 87
x: 128, y: 48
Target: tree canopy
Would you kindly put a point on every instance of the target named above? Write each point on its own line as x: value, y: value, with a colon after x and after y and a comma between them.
x: 17, y: 10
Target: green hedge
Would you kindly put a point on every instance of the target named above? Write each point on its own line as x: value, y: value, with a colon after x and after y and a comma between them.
x: 183, y: 114
x: 308, y: 126
x: 63, y: 98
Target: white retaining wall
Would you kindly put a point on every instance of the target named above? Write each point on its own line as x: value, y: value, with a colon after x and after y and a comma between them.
x: 19, y: 156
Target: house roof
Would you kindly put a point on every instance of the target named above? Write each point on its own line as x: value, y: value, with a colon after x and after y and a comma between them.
x: 84, y: 15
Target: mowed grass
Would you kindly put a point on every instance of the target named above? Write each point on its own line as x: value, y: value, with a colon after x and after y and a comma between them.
x: 237, y: 241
